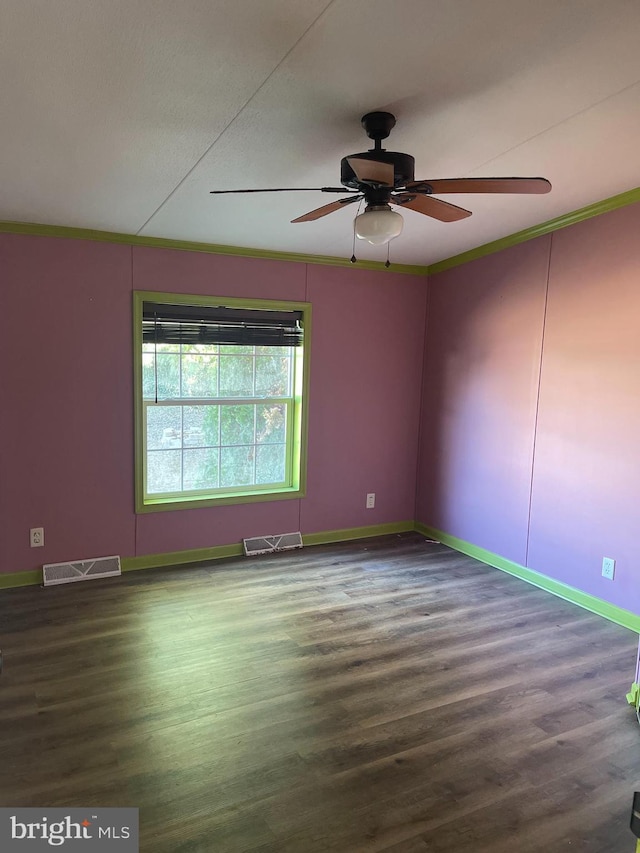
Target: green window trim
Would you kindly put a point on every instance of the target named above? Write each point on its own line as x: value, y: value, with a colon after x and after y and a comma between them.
x: 296, y: 405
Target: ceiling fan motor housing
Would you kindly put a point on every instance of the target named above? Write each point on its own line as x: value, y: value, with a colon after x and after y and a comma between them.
x: 403, y: 167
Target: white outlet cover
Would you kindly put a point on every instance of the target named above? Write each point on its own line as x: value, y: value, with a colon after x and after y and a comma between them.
x: 608, y: 567
x: 371, y: 500
x: 36, y: 537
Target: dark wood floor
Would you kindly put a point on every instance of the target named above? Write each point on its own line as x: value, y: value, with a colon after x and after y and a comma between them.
x: 388, y: 695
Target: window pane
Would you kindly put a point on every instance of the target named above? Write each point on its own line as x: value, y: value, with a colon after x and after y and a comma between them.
x: 200, y: 349
x: 148, y: 376
x: 270, y: 463
x: 201, y: 469
x: 235, y: 349
x: 164, y: 471
x: 271, y: 424
x: 164, y: 427
x: 168, y: 375
x: 151, y: 347
x: 272, y: 375
x: 199, y: 375
x: 200, y: 426
x: 236, y: 466
x: 237, y: 424
x: 236, y: 375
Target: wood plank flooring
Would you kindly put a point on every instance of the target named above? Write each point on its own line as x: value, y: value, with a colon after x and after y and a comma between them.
x: 387, y: 696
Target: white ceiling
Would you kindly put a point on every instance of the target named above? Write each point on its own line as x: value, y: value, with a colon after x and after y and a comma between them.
x: 122, y: 114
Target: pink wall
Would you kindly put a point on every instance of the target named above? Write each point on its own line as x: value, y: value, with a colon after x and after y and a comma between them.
x: 66, y: 430
x: 488, y: 360
x: 365, y: 406
x: 66, y: 423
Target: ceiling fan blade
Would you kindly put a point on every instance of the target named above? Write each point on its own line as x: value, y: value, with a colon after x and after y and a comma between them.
x: 373, y: 171
x: 430, y: 206
x: 482, y: 185
x: 286, y: 190
x: 327, y: 208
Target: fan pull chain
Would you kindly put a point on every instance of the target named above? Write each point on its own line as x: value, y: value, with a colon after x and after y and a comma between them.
x: 388, y: 262
x: 353, y: 253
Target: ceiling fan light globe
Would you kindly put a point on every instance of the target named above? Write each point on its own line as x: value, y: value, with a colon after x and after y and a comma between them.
x: 378, y: 226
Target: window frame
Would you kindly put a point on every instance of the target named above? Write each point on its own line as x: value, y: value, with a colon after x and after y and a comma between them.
x: 297, y: 431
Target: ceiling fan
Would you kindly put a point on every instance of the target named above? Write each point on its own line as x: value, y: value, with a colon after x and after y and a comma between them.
x: 383, y: 178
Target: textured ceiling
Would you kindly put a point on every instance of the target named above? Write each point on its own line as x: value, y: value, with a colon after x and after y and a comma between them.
x: 122, y: 114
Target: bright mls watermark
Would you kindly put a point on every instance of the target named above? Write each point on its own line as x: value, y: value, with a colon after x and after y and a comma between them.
x: 79, y: 830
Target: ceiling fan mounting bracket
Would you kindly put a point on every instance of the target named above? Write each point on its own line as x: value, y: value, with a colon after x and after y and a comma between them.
x: 378, y: 125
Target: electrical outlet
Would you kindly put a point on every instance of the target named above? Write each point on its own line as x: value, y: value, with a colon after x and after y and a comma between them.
x: 608, y: 567
x: 371, y: 500
x: 36, y: 537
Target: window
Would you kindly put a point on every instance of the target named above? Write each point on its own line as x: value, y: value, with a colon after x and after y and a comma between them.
x: 219, y: 386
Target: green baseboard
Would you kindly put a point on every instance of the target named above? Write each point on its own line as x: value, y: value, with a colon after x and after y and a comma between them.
x: 569, y: 593
x: 177, y: 558
x: 327, y: 536
x: 219, y: 552
x: 633, y: 697
x: 20, y: 579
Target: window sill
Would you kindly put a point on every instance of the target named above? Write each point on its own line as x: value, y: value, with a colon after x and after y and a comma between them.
x: 176, y: 504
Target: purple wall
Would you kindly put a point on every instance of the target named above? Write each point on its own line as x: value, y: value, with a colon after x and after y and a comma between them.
x: 586, y: 485
x: 480, y: 390
x: 66, y: 422
x: 490, y: 350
